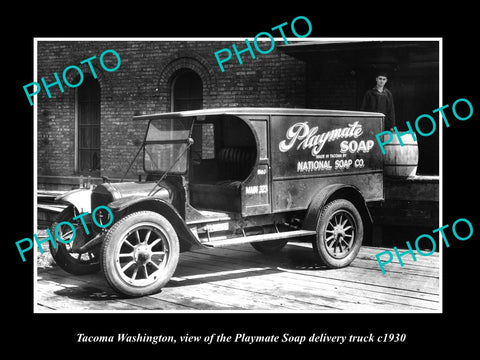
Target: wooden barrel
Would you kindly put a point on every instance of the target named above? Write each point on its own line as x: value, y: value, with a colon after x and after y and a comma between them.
x: 400, y: 161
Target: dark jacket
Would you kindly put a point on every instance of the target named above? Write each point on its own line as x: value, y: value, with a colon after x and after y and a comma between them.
x: 381, y: 102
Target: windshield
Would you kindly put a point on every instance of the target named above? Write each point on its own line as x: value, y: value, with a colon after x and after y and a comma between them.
x: 166, y: 140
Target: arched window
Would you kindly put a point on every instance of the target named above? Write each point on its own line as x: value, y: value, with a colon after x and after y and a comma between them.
x: 88, y: 126
x: 187, y: 91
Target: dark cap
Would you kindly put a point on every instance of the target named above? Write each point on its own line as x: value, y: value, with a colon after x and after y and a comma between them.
x: 382, y: 73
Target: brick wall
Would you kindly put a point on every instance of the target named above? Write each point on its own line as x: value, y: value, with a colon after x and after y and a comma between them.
x: 331, y: 86
x: 142, y: 86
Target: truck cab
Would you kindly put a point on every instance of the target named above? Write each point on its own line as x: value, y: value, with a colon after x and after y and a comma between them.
x: 219, y: 177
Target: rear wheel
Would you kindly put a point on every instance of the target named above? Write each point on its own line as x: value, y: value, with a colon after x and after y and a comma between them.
x: 140, y: 253
x: 339, y: 234
x: 269, y: 247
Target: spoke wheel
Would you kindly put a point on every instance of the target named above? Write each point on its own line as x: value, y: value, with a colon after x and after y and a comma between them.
x: 73, y: 262
x: 140, y: 253
x: 339, y: 234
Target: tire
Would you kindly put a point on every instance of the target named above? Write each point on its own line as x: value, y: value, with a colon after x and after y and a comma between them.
x: 140, y: 254
x: 71, y: 262
x: 269, y: 247
x: 339, y: 234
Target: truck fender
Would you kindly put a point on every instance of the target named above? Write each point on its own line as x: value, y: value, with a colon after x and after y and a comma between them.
x: 337, y: 191
x: 80, y: 198
x: 128, y: 205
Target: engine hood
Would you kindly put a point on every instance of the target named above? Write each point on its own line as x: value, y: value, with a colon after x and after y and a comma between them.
x: 108, y: 192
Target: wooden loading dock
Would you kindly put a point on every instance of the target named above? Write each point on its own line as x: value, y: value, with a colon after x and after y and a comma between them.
x: 238, y: 278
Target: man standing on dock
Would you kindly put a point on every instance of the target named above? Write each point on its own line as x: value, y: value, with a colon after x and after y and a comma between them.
x: 380, y: 99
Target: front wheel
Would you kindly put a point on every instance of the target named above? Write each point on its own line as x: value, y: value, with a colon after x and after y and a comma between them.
x: 140, y: 253
x: 339, y: 234
x: 68, y: 259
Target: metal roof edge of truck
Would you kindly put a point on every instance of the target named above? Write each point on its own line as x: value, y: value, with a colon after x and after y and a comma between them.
x: 257, y: 111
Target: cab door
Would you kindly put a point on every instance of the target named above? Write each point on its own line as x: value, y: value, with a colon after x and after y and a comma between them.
x: 255, y: 192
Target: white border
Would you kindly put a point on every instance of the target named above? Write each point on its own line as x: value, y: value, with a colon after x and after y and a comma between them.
x: 304, y: 40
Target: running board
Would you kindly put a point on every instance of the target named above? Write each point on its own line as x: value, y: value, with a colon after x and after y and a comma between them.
x: 258, y: 238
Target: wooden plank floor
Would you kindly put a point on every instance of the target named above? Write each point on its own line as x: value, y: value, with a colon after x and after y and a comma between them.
x: 239, y: 278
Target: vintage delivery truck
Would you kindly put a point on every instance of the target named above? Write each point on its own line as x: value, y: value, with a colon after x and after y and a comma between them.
x: 219, y: 177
